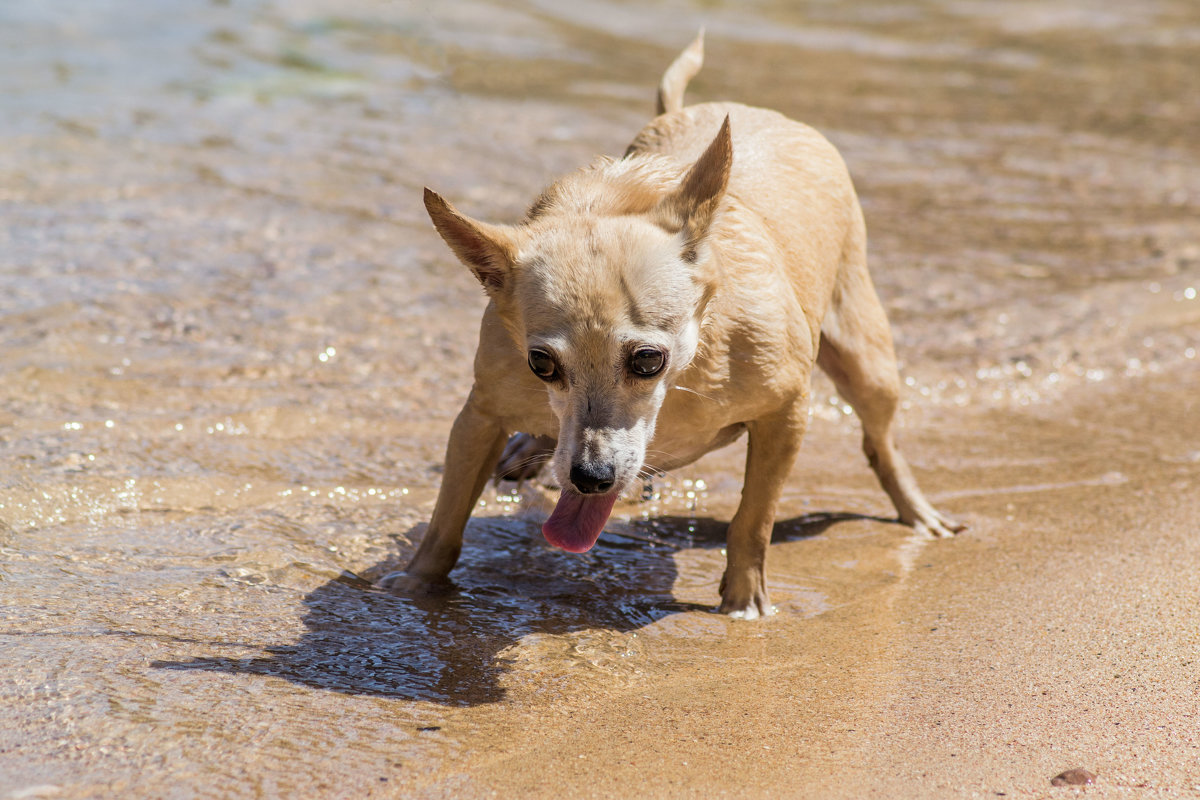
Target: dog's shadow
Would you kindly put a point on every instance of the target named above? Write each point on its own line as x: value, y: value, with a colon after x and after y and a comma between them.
x: 446, y: 646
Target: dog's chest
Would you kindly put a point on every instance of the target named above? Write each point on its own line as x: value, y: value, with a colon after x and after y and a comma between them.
x: 676, y: 445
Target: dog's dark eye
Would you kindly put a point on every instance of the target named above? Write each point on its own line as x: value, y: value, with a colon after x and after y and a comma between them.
x: 647, y: 362
x: 543, y: 365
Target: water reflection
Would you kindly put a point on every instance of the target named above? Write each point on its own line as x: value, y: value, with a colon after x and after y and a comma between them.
x: 366, y: 642
x: 449, y: 646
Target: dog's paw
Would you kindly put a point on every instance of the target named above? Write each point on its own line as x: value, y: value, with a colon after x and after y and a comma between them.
x: 523, y: 457
x: 407, y: 584
x: 752, y: 612
x: 744, y: 595
x: 933, y: 524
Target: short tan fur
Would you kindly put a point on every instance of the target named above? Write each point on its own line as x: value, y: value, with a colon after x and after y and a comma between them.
x: 652, y: 308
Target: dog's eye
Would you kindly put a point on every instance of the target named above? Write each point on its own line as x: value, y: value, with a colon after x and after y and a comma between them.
x: 647, y: 362
x: 543, y: 365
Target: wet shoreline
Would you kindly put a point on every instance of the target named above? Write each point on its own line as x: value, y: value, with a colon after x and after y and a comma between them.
x: 233, y: 347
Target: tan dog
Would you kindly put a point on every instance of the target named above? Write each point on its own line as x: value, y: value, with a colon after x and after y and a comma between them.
x: 651, y: 309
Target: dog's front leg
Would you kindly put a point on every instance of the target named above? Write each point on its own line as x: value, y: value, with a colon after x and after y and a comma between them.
x: 475, y: 444
x: 774, y: 442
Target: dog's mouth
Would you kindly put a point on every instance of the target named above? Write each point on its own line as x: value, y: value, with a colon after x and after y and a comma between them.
x: 577, y: 520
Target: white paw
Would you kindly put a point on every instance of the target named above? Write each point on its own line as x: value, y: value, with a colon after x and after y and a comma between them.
x: 936, y: 526
x: 752, y: 612
x: 927, y: 522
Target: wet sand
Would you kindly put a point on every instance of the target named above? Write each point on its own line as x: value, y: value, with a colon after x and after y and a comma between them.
x: 233, y: 346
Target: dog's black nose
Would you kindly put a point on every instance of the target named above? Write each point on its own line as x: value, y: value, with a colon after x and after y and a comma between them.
x: 593, y: 478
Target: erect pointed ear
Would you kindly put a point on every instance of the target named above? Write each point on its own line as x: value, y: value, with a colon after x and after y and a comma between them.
x: 489, y: 250
x: 692, y: 207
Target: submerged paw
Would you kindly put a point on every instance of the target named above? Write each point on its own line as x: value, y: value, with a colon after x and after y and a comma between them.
x: 523, y: 457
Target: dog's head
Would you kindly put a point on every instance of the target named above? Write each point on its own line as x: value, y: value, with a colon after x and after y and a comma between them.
x: 607, y: 308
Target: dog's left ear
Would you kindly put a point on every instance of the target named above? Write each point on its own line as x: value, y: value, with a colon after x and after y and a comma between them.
x: 692, y: 207
x: 488, y: 250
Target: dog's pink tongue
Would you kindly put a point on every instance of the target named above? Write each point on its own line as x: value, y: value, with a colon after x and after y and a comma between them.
x: 577, y: 520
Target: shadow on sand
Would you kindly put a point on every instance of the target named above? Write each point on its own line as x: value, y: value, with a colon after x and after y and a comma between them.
x: 446, y: 646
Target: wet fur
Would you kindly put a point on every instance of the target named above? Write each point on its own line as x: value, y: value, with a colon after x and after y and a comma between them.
x: 731, y: 238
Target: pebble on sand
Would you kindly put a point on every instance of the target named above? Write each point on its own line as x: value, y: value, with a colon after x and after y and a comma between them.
x: 1074, y: 777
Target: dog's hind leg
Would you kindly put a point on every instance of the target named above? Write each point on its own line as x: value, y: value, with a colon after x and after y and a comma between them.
x: 856, y: 352
x: 475, y: 444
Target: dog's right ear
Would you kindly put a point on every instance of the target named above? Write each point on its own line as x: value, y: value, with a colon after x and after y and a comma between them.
x: 692, y: 207
x: 488, y: 250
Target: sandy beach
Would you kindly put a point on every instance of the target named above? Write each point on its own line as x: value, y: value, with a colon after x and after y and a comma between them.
x: 233, y: 347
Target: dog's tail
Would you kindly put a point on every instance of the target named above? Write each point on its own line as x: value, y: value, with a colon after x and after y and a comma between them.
x: 675, y: 79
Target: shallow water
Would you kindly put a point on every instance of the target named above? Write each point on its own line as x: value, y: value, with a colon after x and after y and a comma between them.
x: 233, y: 346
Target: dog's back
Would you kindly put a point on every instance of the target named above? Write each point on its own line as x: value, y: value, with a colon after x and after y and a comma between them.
x: 789, y: 191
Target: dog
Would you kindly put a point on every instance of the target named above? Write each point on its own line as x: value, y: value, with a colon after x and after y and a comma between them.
x: 653, y: 308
